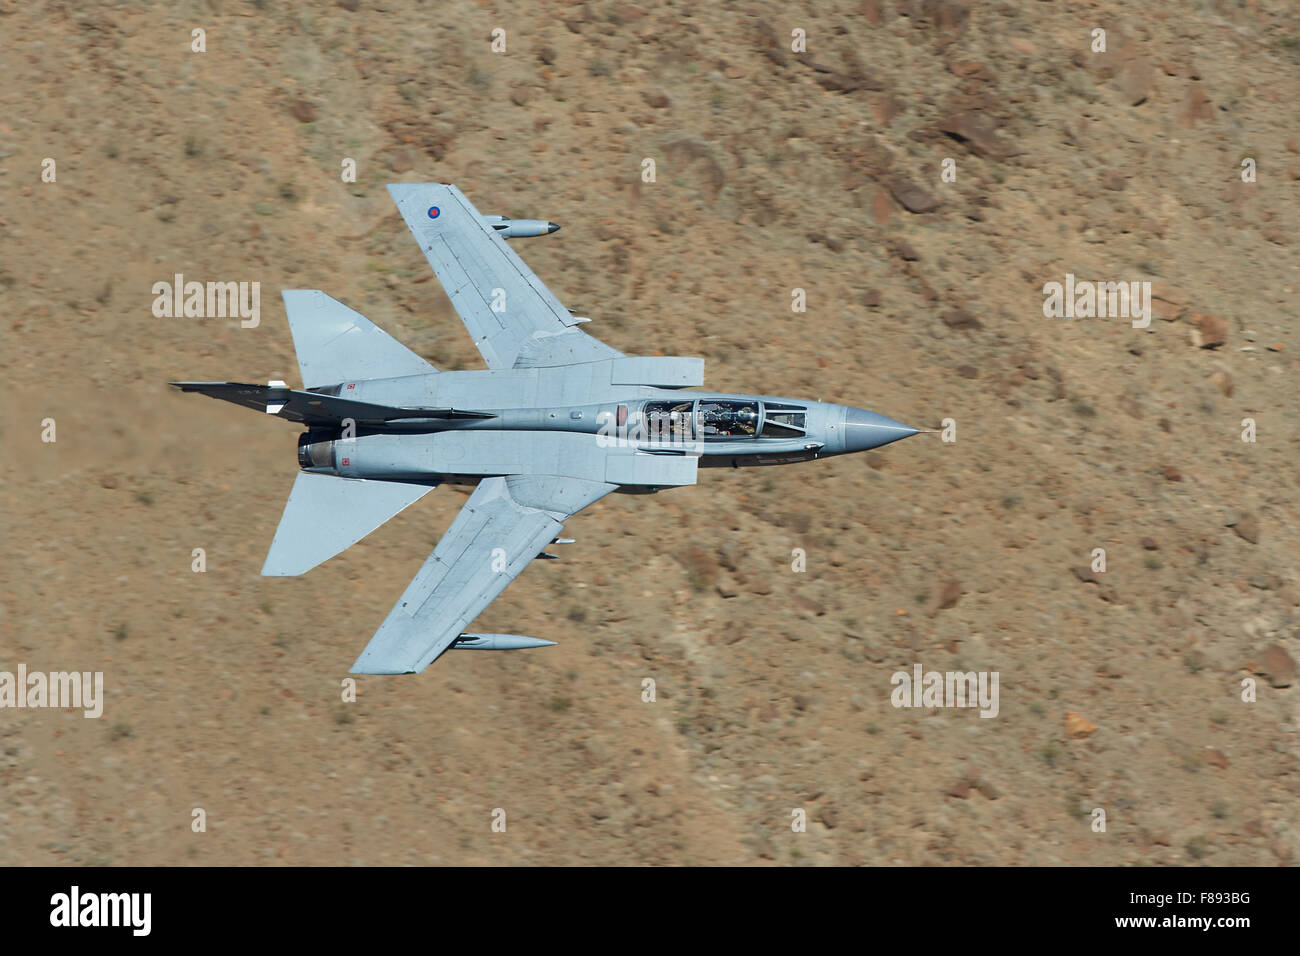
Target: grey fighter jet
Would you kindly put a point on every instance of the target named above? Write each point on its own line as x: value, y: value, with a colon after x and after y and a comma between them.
x: 557, y: 421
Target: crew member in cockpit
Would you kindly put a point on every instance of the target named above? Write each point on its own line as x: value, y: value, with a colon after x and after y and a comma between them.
x: 747, y: 420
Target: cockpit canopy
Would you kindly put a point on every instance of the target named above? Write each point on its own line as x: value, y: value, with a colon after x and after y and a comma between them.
x: 723, y: 421
x: 711, y: 419
x: 783, y: 421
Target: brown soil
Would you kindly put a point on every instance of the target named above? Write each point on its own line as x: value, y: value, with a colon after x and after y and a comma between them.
x: 776, y: 170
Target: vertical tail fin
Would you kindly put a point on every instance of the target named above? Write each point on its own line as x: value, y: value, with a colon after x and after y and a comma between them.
x: 337, y: 344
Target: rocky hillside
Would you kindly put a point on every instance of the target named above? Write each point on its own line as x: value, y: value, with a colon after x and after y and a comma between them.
x: 921, y: 170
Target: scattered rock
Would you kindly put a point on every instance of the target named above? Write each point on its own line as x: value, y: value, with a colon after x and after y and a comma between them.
x: 973, y: 69
x: 924, y: 290
x: 975, y: 131
x: 1208, y: 331
x: 1113, y: 180
x: 702, y: 566
x: 1171, y: 473
x: 912, y: 197
x: 1196, y: 107
x: 1149, y: 544
x: 886, y: 108
x: 1078, y: 726
x: 880, y: 205
x: 1265, y: 581
x: 947, y: 15
x: 949, y: 595
x: 1216, y: 758
x: 830, y: 242
x: 771, y: 43
x: 1277, y: 665
x: 1247, y: 527
x: 303, y: 111
x: 658, y: 101
x: 436, y: 143
x: 807, y: 606
x: 1223, y: 382
x: 108, y: 481
x: 857, y: 71
x: 961, y: 319
x: 837, y: 82
x: 960, y: 790
x: 1137, y: 79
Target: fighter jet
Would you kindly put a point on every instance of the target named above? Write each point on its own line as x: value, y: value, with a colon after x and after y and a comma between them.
x: 557, y: 421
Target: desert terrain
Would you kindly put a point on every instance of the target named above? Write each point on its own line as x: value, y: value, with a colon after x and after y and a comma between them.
x: 777, y: 169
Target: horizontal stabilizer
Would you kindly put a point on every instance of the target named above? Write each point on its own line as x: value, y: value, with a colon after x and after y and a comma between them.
x: 315, y: 408
x: 337, y: 344
x: 326, y: 515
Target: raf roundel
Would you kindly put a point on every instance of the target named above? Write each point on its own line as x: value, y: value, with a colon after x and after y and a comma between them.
x: 434, y: 212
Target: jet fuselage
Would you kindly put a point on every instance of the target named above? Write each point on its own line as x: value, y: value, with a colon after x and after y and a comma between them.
x: 527, y: 405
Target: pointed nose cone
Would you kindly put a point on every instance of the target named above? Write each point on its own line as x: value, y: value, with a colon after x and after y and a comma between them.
x: 864, y: 429
x: 552, y: 227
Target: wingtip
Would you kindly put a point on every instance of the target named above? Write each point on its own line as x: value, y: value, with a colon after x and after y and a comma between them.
x: 360, y: 668
x: 272, y: 572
